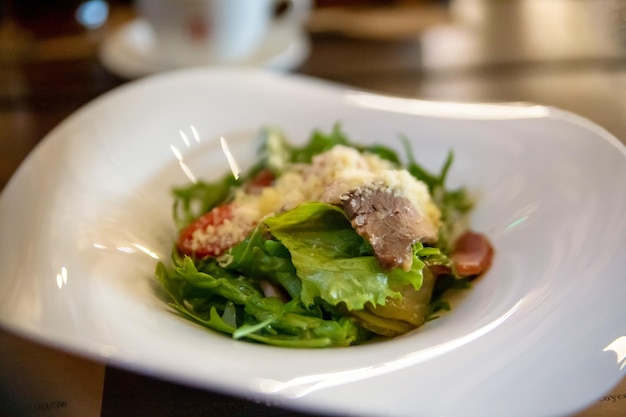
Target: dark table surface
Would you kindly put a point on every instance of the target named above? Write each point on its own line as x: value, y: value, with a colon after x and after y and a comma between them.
x: 49, y: 68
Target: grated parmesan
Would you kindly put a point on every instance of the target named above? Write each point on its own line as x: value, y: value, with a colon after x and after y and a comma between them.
x: 328, y: 177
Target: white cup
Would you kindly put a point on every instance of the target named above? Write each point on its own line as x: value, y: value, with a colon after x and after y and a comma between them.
x: 192, y: 32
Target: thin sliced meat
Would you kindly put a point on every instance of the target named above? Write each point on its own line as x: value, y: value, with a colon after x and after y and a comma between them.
x: 391, y: 223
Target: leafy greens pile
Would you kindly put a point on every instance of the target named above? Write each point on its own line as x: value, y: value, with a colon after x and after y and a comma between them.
x: 337, y: 292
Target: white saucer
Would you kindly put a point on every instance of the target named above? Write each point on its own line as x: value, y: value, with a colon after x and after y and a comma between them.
x: 131, y: 51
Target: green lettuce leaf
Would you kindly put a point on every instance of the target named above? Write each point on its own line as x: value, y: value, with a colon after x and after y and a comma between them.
x: 225, y: 302
x: 334, y: 263
x: 258, y: 257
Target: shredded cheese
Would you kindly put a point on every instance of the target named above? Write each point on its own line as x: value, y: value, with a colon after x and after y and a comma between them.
x: 328, y: 177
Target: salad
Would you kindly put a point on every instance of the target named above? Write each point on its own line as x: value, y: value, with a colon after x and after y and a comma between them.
x: 326, y: 244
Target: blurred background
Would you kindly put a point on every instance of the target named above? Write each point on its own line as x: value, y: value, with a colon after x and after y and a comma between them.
x: 567, y: 53
x: 55, y: 56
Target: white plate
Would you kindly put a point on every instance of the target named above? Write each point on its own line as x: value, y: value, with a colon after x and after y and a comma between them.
x: 542, y: 334
x: 131, y: 51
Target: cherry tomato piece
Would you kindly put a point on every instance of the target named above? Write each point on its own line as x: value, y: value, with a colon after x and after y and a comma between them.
x: 210, y: 244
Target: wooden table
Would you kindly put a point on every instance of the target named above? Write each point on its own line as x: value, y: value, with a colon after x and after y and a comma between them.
x: 49, y: 68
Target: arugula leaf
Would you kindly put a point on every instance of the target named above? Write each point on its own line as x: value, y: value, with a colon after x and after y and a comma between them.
x: 276, y: 153
x: 192, y: 201
x: 453, y: 204
x: 264, y: 259
x: 444, y: 284
x: 234, y: 305
x: 273, y: 152
x: 318, y: 143
x: 383, y: 152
